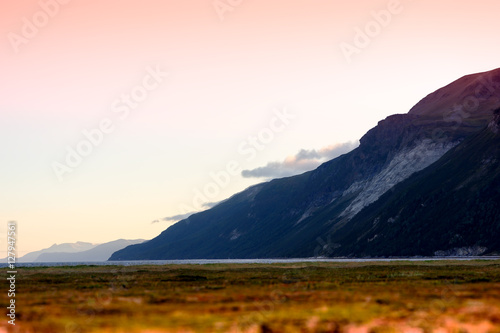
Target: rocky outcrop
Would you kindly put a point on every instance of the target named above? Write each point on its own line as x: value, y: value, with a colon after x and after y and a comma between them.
x: 469, y: 251
x: 494, y: 124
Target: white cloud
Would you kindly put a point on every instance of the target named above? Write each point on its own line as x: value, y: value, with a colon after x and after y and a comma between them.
x: 176, y: 218
x: 303, y: 161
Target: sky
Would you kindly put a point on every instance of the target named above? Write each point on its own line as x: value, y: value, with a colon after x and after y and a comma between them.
x: 119, y: 117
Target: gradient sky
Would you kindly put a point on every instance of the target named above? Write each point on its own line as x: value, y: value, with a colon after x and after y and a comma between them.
x: 226, y: 80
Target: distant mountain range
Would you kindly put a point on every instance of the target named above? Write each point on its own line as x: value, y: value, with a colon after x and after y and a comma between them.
x: 420, y: 184
x: 77, y: 252
x: 65, y: 247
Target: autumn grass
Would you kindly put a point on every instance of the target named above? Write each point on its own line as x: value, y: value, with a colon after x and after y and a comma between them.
x: 451, y: 296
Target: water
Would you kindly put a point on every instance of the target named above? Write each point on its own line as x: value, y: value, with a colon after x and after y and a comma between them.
x: 236, y: 261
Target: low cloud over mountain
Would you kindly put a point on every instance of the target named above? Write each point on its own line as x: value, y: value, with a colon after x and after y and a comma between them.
x: 179, y: 217
x: 303, y: 161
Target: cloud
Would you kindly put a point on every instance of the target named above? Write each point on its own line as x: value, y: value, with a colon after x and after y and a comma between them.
x: 176, y: 218
x: 180, y: 217
x: 303, y: 161
x: 211, y: 204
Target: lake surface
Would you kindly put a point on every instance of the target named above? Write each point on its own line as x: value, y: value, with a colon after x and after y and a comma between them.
x: 235, y: 261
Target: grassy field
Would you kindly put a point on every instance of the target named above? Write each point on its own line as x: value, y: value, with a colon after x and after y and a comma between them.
x: 444, y: 296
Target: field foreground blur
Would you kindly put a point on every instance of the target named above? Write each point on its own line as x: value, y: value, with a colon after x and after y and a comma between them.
x: 439, y: 296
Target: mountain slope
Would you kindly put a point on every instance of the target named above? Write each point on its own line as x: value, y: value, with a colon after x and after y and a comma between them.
x: 450, y: 208
x: 292, y: 217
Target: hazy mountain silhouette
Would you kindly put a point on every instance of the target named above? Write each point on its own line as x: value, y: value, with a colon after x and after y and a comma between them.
x: 77, y: 252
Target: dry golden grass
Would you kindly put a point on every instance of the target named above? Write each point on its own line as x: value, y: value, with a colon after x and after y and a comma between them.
x: 445, y: 296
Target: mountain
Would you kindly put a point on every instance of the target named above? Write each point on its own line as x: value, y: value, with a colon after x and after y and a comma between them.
x: 65, y: 247
x: 99, y: 253
x: 420, y: 183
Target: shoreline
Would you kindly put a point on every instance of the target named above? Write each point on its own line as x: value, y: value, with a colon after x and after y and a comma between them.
x: 248, y: 261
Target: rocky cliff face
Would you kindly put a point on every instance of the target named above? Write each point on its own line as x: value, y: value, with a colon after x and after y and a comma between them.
x: 494, y: 124
x: 359, y: 204
x: 462, y: 252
